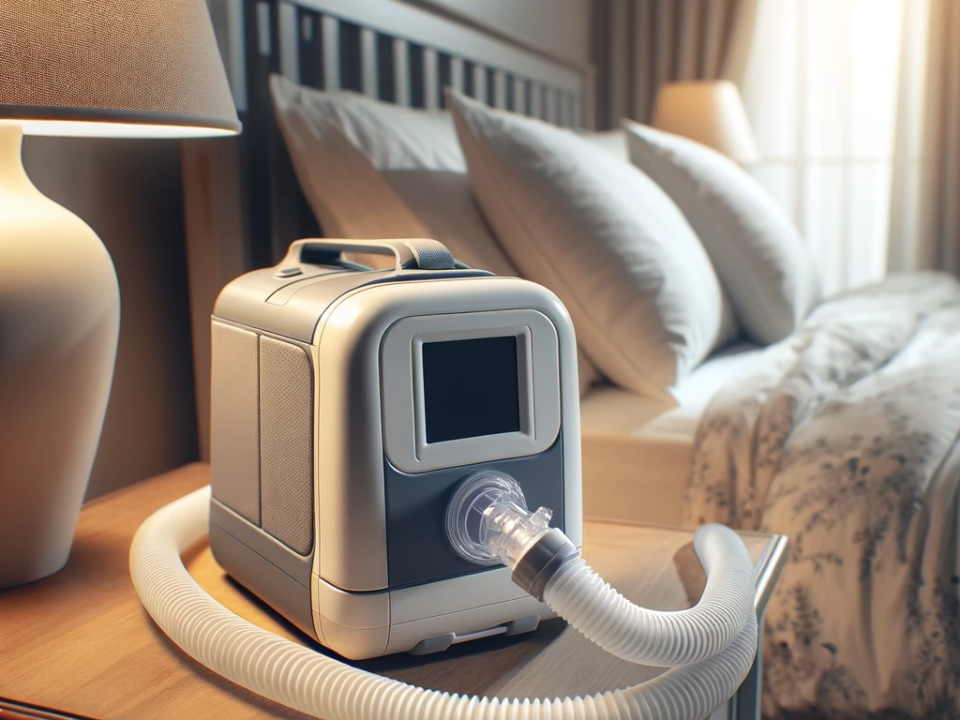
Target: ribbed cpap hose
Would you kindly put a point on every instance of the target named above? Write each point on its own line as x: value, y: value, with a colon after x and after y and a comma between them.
x: 295, y: 676
x: 649, y: 637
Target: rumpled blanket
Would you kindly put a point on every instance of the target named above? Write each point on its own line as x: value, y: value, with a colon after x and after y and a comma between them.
x: 844, y: 437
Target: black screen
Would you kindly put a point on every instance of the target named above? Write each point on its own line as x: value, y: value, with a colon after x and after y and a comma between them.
x: 471, y: 388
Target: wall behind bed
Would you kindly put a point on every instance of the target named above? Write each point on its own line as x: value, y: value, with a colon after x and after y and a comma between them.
x: 243, y: 204
x: 557, y: 27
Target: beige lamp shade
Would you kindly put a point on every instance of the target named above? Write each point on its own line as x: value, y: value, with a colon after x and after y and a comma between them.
x: 135, y: 68
x: 710, y: 112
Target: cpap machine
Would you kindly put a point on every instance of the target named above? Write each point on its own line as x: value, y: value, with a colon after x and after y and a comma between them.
x: 379, y: 439
x: 347, y: 407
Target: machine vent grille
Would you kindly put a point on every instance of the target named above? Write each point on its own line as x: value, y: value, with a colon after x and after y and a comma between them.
x: 286, y: 444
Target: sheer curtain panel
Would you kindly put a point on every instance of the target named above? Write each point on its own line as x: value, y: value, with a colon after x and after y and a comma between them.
x: 925, y: 207
x: 855, y: 106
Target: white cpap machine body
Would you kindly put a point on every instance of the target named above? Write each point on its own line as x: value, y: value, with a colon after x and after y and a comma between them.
x: 347, y: 405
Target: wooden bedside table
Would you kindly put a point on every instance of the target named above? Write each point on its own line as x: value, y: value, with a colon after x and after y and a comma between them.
x: 80, y: 644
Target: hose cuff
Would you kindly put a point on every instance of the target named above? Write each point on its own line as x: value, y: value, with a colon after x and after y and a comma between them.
x: 541, y: 562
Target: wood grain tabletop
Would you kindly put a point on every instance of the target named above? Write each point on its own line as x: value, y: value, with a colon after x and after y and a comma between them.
x: 80, y: 642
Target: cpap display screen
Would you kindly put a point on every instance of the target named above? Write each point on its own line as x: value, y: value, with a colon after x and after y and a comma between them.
x: 471, y: 388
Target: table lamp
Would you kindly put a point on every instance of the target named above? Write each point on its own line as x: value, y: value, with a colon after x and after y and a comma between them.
x: 104, y: 68
x: 710, y: 112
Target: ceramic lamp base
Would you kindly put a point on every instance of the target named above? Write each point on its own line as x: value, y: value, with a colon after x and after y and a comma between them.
x: 59, y: 322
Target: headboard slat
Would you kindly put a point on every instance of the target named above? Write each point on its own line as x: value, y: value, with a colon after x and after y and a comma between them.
x: 431, y: 79
x: 480, y: 82
x: 370, y: 67
x: 289, y: 42
x: 331, y: 52
x: 401, y: 64
x: 457, y: 74
x: 235, y: 56
x: 264, y: 29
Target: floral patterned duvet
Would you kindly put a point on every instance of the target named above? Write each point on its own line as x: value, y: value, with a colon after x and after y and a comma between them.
x: 844, y: 437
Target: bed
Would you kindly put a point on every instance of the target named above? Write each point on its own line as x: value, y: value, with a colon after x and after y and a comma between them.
x: 769, y: 430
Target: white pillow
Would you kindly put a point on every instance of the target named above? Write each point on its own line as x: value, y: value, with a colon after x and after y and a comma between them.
x: 761, y: 260
x: 392, y: 137
x: 371, y: 170
x: 599, y: 233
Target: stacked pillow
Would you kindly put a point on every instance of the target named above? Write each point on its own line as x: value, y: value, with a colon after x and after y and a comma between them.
x: 643, y: 255
x: 757, y: 252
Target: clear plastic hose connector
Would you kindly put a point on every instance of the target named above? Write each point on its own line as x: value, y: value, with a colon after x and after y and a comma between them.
x: 488, y: 522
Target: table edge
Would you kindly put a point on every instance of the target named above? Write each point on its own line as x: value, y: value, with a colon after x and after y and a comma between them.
x: 768, y: 570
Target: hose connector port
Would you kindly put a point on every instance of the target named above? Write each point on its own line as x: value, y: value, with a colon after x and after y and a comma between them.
x: 488, y: 522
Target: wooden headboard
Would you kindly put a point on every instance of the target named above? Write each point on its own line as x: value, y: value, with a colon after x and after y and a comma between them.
x: 243, y: 204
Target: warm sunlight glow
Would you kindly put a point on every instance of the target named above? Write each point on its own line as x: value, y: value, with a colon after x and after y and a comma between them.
x: 72, y: 128
x: 821, y: 91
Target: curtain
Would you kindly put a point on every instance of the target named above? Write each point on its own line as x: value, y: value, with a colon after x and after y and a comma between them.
x: 925, y: 208
x: 854, y: 104
x: 639, y: 44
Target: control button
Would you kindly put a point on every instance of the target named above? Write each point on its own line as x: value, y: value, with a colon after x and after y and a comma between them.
x: 288, y: 273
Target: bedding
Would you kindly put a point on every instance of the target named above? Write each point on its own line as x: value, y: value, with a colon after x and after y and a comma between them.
x: 844, y: 437
x: 600, y: 234
x: 760, y: 258
x: 636, y: 451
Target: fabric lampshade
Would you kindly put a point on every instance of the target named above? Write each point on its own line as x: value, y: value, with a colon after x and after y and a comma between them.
x: 128, y: 68
x: 709, y: 112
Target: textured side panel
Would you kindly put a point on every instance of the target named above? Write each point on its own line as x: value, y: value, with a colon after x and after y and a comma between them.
x: 286, y: 443
x: 234, y: 421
